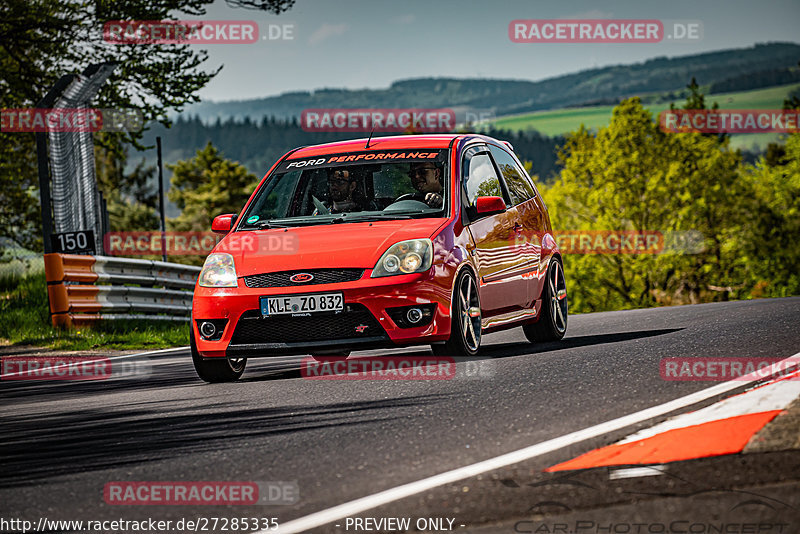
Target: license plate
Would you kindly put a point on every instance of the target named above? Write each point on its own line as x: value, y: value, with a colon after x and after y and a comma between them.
x: 291, y: 304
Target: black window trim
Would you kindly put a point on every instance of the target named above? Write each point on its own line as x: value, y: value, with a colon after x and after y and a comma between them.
x: 524, y: 175
x: 480, y: 147
x: 484, y: 149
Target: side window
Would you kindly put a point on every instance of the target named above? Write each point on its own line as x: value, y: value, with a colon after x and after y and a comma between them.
x: 480, y: 178
x: 275, y: 203
x: 519, y: 189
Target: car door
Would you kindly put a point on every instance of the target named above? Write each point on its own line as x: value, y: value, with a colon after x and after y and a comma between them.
x: 502, y: 287
x: 529, y: 221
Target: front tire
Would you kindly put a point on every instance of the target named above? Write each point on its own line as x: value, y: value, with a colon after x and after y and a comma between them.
x: 216, y: 370
x: 465, y: 321
x: 552, y: 323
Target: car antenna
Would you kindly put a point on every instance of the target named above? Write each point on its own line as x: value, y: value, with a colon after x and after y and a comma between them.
x: 370, y: 136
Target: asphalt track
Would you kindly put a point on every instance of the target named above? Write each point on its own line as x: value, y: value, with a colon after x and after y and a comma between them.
x: 342, y: 440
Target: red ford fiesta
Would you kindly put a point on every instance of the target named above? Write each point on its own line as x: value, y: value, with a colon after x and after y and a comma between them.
x: 395, y: 241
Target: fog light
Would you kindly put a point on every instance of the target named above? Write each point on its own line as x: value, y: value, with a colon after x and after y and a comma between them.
x: 207, y: 329
x: 414, y: 315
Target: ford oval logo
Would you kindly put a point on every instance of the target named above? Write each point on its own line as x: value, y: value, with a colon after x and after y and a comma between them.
x: 300, y: 278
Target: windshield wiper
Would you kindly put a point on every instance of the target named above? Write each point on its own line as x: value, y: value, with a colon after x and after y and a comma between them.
x: 337, y: 219
x: 375, y: 216
x: 300, y: 221
x: 265, y: 225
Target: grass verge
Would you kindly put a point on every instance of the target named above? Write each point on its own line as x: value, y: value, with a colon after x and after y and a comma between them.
x: 25, y: 320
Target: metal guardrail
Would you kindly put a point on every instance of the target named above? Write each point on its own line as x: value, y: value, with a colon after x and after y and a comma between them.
x: 86, y: 289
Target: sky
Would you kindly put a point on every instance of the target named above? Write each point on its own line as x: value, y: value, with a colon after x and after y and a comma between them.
x: 370, y: 44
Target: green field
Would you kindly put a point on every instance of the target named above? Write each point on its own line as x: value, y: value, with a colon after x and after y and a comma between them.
x: 561, y: 121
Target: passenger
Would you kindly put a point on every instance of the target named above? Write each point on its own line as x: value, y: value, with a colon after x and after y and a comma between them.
x: 427, y: 179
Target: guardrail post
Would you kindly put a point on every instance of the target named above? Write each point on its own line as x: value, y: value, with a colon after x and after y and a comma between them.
x: 56, y: 291
x: 85, y: 289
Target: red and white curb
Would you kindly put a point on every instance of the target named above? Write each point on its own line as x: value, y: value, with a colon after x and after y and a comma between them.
x: 721, y: 428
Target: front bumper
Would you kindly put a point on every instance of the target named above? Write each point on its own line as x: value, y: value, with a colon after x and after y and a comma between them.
x: 364, y: 324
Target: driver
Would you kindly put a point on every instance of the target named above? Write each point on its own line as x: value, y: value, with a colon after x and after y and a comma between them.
x: 341, y: 185
x: 427, y: 179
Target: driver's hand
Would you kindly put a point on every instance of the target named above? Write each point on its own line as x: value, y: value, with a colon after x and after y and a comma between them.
x: 433, y: 200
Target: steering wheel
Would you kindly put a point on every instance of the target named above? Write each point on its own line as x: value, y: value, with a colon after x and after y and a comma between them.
x: 418, y: 196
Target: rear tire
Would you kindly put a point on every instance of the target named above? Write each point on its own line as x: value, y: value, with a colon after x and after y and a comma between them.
x: 216, y: 370
x: 552, y: 323
x: 465, y: 321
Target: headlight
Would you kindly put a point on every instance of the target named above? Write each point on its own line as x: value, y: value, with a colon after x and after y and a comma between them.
x: 405, y: 257
x: 218, y: 271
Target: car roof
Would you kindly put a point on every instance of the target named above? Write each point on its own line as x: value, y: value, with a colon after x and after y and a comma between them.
x: 395, y: 142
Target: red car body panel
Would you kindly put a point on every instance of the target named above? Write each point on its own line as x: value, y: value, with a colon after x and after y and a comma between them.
x: 508, y: 253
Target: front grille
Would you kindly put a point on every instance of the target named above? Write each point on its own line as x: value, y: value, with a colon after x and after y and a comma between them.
x: 321, y: 276
x: 354, y: 322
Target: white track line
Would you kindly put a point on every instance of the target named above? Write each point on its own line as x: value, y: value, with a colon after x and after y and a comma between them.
x: 110, y: 358
x: 357, y: 506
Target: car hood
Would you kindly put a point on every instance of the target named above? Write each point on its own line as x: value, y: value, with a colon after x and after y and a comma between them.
x: 358, y: 245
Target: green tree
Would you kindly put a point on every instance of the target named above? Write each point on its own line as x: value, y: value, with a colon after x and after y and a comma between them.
x: 773, y: 225
x: 131, y: 199
x: 206, y: 186
x: 633, y: 176
x: 41, y: 40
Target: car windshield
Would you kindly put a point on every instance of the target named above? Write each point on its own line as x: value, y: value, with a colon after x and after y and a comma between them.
x: 350, y: 188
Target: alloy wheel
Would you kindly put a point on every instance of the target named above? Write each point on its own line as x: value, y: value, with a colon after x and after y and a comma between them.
x: 470, y: 313
x: 558, y: 297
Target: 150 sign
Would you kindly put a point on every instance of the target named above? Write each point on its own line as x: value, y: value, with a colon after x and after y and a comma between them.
x: 74, y: 242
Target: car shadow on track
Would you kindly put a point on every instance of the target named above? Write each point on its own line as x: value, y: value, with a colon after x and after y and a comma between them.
x: 138, y: 374
x: 522, y: 348
x: 291, y: 370
x: 502, y: 350
x: 45, y: 445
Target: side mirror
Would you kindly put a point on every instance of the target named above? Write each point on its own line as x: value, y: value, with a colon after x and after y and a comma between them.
x: 489, y: 205
x: 222, y: 224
